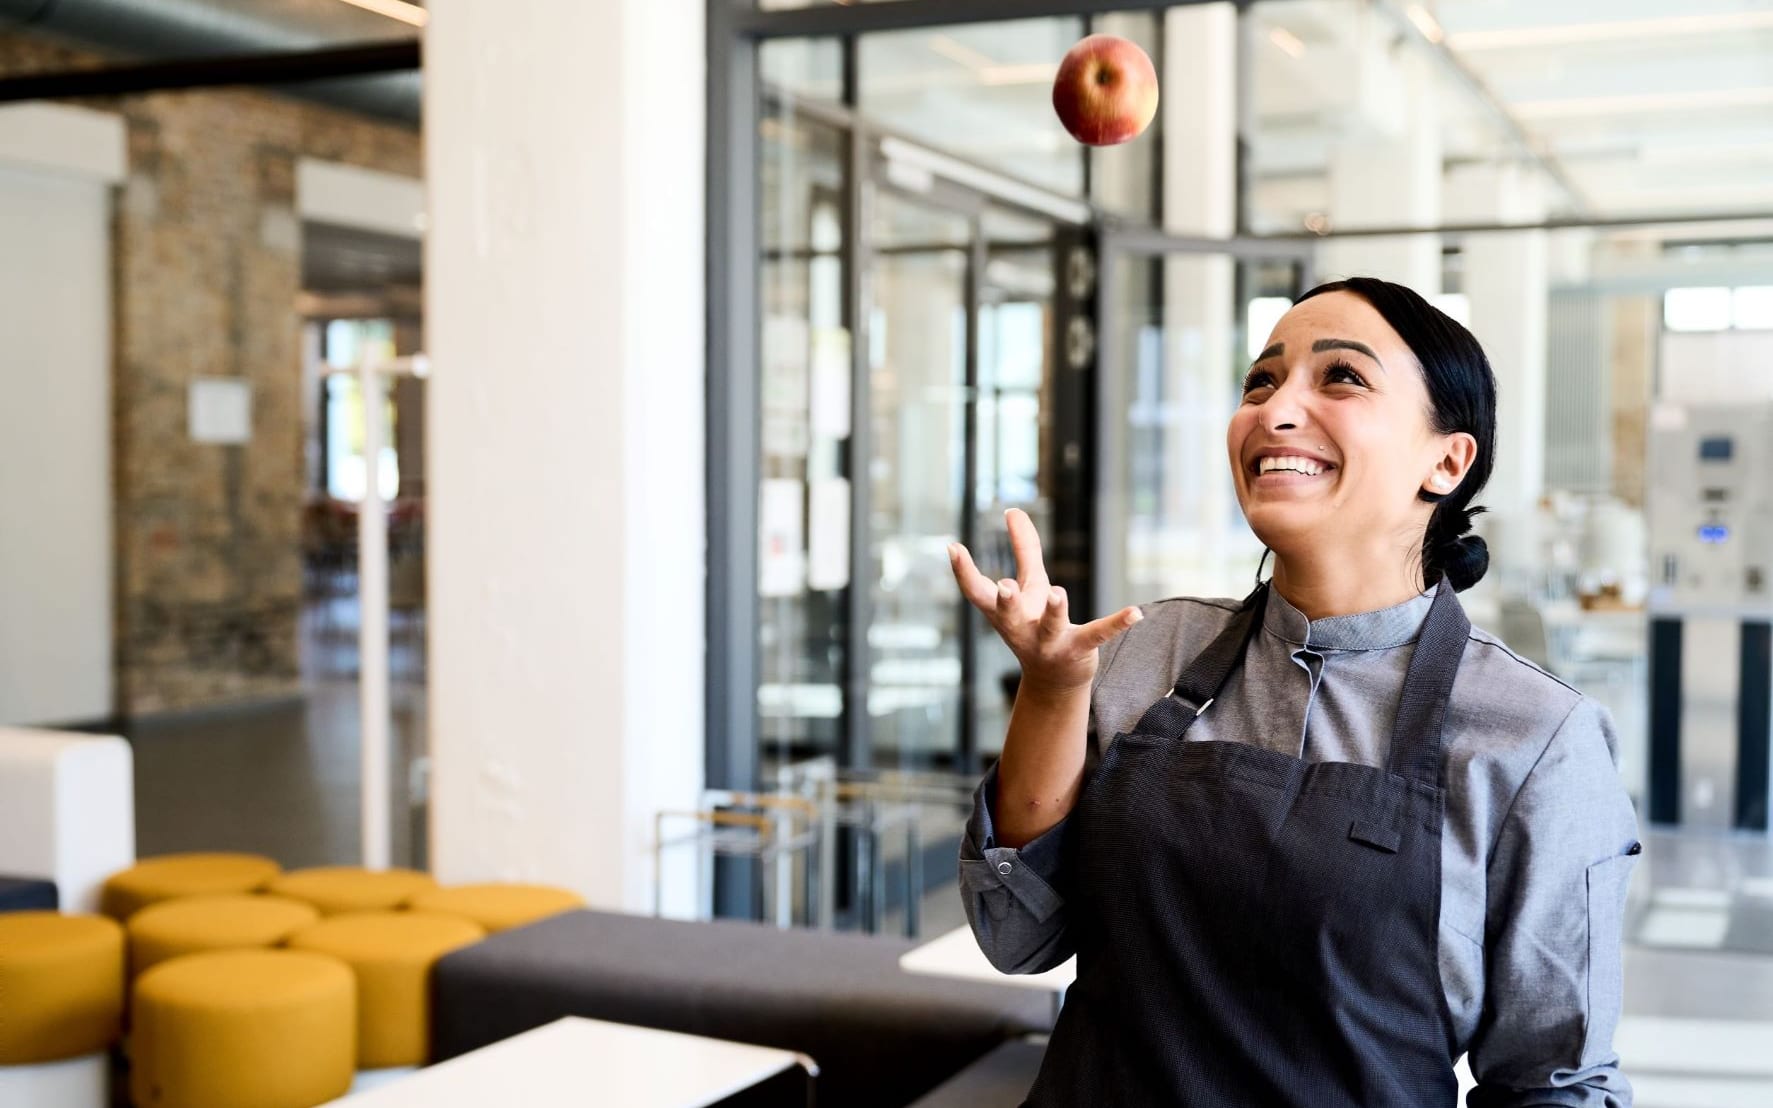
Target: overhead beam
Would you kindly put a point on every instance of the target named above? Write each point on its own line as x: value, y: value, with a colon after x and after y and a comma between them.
x: 283, y: 67
x: 1565, y: 223
x: 903, y: 15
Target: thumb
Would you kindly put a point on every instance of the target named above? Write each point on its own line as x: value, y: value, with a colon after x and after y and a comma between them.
x: 1100, y: 632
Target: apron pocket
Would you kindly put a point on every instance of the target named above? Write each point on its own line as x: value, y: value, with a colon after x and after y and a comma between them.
x: 1373, y: 834
x: 1607, y: 884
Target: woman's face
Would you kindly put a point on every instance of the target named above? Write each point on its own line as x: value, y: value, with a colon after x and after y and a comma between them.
x: 1333, y: 438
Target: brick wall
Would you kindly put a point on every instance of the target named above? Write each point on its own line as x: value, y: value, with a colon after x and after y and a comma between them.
x: 207, y: 267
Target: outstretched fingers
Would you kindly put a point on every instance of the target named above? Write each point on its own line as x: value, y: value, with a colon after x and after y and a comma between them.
x: 979, y: 589
x: 1099, y: 632
x: 1031, y: 567
x: 1055, y: 616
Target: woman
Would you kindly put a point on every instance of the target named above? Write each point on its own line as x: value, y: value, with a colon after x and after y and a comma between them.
x: 1311, y: 847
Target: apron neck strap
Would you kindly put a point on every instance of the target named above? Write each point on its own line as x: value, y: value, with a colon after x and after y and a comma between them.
x: 1205, y: 675
x: 1421, y: 714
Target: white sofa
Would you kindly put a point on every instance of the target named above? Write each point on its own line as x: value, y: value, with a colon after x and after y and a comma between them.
x: 67, y: 810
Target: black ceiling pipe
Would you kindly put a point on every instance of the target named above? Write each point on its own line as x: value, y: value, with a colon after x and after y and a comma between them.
x: 246, y: 69
x: 191, y: 30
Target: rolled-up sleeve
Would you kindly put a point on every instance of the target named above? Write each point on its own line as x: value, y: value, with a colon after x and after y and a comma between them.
x: 1556, y: 888
x: 1012, y: 895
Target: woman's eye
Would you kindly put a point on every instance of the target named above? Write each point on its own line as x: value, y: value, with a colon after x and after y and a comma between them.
x: 1341, y: 372
x: 1256, y: 380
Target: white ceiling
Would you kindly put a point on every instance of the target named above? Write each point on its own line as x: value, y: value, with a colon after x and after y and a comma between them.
x: 1650, y: 106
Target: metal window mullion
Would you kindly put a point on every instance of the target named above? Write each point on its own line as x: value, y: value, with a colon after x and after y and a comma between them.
x: 857, y: 746
x: 1109, y: 546
x: 967, y: 756
x: 1244, y: 108
x: 733, y: 460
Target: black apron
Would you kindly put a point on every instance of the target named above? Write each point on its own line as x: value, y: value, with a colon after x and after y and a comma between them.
x: 1256, y: 931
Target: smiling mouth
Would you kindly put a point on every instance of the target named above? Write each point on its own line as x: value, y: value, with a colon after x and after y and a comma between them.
x: 1287, y: 476
x: 1281, y: 478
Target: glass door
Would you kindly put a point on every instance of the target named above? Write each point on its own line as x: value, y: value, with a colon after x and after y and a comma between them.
x: 961, y: 338
x: 924, y: 426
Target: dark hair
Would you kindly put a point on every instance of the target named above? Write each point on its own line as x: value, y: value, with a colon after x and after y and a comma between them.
x: 1462, y: 390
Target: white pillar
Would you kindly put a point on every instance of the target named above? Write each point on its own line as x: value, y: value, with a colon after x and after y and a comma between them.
x: 375, y: 725
x: 1385, y: 170
x: 1506, y: 281
x: 564, y: 284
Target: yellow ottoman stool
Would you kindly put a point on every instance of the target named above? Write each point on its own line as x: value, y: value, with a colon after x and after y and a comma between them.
x: 243, y: 1029
x: 336, y: 889
x: 196, y: 924
x: 174, y: 875
x: 391, y: 953
x: 498, y: 907
x: 61, y: 984
x: 61, y: 1008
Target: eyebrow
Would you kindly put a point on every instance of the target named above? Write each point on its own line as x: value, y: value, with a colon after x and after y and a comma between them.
x: 1321, y: 345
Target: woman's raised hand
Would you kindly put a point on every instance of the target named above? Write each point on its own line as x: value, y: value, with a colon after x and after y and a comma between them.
x: 1030, y: 614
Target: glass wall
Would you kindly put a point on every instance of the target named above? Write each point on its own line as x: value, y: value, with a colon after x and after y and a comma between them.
x: 954, y: 375
x: 805, y: 372
x: 917, y: 370
x: 906, y: 393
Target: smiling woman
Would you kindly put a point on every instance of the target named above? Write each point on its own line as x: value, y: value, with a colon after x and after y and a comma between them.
x: 1311, y: 847
x: 1386, y: 410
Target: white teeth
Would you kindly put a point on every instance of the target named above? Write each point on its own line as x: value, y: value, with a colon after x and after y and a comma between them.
x: 1288, y: 462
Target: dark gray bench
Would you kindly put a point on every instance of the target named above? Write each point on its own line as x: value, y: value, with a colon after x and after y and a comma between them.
x: 1001, y: 1079
x: 881, y: 1037
x: 23, y: 894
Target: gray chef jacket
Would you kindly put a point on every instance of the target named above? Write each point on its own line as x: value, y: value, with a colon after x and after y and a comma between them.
x: 1536, y: 849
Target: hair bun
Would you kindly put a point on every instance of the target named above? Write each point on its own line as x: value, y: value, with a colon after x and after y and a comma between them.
x: 1451, y: 522
x: 1464, y: 559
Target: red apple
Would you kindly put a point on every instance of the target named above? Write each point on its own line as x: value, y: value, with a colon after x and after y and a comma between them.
x: 1106, y: 91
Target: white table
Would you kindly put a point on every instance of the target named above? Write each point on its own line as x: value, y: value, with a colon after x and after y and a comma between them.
x: 957, y: 954
x: 581, y: 1063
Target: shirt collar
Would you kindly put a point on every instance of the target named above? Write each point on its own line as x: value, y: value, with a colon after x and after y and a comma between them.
x: 1376, y: 630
